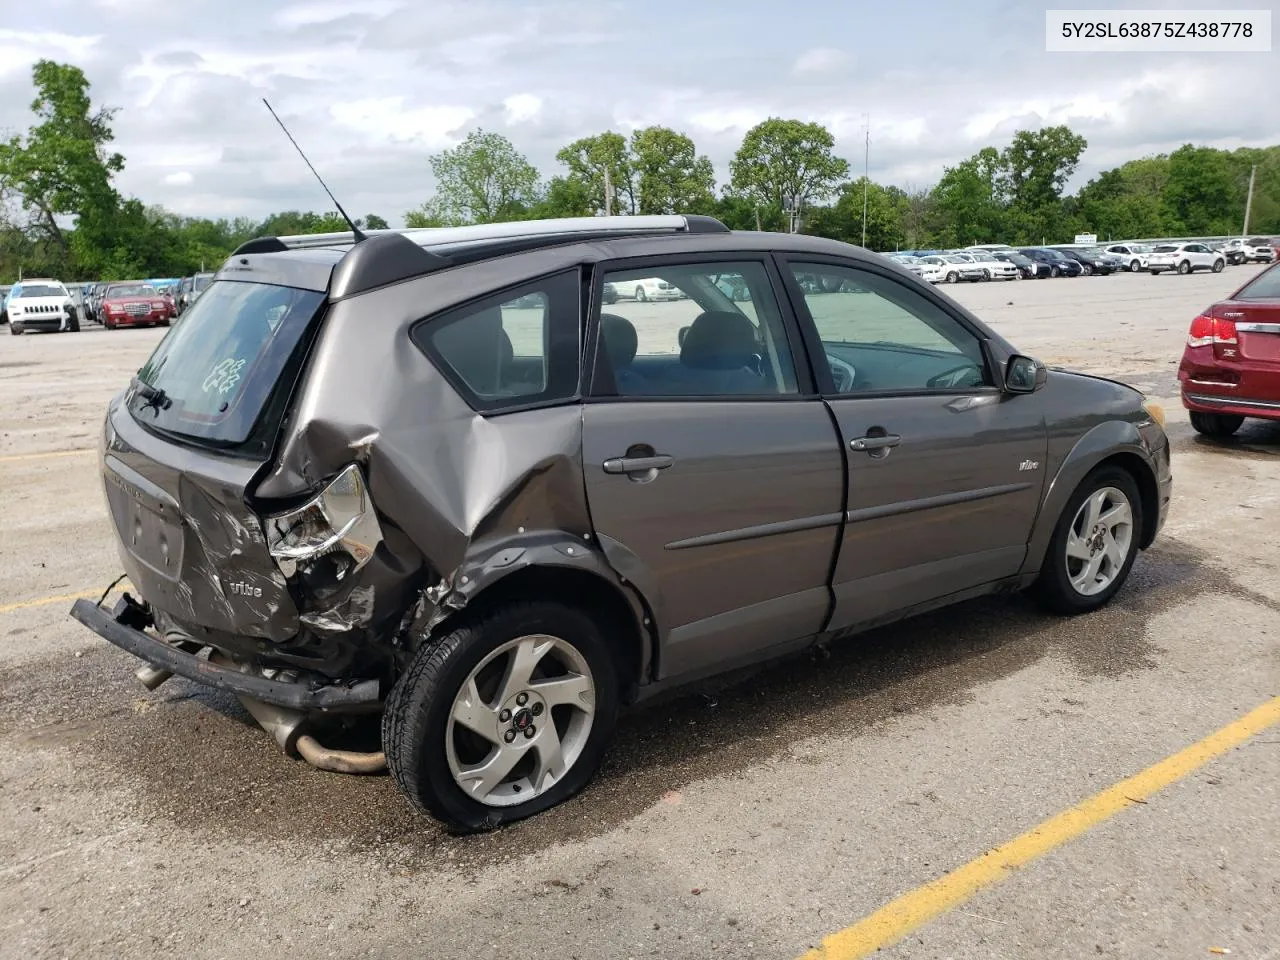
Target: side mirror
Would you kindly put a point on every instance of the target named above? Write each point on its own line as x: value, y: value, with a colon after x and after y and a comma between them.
x: 680, y: 337
x: 1024, y: 375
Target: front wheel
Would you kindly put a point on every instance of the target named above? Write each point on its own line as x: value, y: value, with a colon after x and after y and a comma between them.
x: 1217, y: 425
x: 15, y: 329
x: 953, y: 277
x: 1086, y: 270
x: 1135, y: 266
x: 73, y: 322
x: 1094, y: 544
x: 1055, y: 272
x: 1218, y: 265
x: 504, y: 716
x: 641, y: 296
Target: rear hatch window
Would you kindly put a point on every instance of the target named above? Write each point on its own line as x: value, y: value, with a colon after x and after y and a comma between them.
x: 1266, y: 286
x: 229, y: 360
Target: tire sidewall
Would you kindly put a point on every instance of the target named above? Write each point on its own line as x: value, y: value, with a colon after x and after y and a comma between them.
x: 1056, y: 584
x: 426, y: 697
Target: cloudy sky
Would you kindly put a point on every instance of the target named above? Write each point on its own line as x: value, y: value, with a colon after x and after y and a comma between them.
x: 372, y: 87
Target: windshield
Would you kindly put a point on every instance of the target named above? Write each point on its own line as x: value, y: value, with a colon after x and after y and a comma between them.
x: 39, y: 290
x: 220, y: 366
x: 1265, y: 286
x: 202, y: 280
x: 130, y: 290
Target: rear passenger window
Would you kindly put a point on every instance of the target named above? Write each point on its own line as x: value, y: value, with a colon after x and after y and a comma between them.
x: 693, y: 330
x: 512, y: 349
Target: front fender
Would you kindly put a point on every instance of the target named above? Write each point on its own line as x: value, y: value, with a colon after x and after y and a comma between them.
x: 1105, y: 440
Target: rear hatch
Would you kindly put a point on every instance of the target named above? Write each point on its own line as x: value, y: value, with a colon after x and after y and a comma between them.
x: 183, y: 445
x: 1255, y: 314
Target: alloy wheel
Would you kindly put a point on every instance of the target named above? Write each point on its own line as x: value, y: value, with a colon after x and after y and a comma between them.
x: 1099, y: 541
x: 520, y: 720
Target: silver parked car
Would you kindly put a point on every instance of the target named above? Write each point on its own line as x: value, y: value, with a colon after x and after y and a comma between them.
x: 429, y: 474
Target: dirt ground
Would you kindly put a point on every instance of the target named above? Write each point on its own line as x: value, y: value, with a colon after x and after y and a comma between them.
x: 748, y: 822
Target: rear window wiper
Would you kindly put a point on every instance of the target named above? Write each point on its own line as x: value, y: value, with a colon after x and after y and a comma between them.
x: 153, y: 396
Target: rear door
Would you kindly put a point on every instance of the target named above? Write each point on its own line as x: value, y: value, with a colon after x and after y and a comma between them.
x: 945, y: 472
x: 713, y: 471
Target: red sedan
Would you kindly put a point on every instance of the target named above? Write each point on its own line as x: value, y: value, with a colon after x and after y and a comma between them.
x: 1231, y: 365
x: 134, y: 305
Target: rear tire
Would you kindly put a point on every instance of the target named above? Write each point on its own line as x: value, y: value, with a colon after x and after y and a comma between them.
x: 421, y: 737
x: 15, y: 329
x: 1056, y: 587
x: 1184, y: 267
x: 1216, y: 425
x: 73, y: 323
x: 641, y: 296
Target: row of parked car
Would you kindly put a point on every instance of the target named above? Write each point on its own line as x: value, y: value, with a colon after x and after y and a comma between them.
x: 48, y: 305
x: 1002, y: 262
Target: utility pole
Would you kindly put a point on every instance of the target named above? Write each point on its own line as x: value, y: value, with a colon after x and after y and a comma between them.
x: 608, y: 192
x: 1248, y: 203
x: 866, y: 175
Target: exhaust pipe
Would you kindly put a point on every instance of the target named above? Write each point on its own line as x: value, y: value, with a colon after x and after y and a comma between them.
x: 286, y: 727
x: 340, y: 761
x: 151, y: 677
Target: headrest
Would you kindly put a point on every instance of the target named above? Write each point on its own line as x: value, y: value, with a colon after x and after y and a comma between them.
x: 719, y: 340
x: 620, y: 341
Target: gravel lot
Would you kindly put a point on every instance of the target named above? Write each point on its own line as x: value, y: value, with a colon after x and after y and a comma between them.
x: 748, y: 823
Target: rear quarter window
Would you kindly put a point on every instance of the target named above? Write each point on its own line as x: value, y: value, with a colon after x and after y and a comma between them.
x: 513, y: 349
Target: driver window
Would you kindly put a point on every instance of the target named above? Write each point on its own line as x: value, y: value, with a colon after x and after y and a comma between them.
x: 880, y: 335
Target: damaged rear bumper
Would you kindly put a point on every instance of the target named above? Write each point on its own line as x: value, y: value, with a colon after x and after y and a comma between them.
x: 303, y: 697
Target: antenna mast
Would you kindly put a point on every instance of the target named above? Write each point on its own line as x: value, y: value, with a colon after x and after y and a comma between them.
x: 351, y: 223
x: 866, y: 175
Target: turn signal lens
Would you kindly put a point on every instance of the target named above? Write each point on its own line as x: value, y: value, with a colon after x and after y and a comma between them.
x: 1155, y: 412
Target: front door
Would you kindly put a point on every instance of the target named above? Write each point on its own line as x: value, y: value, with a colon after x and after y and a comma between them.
x: 945, y: 471
x: 713, y: 472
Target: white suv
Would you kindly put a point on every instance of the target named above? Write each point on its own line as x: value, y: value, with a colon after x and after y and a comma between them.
x: 41, y: 305
x: 1184, y: 258
x: 1134, y: 255
x: 1257, y: 250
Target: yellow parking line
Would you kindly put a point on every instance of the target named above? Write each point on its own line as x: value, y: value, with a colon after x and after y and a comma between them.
x: 895, y: 920
x: 15, y: 457
x: 60, y: 598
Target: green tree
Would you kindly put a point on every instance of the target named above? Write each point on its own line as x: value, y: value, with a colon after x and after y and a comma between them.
x: 885, y: 209
x: 1201, y: 194
x: 787, y: 162
x: 62, y: 167
x: 484, y: 179
x: 669, y: 175
x: 374, y: 222
x: 1035, y: 167
x: 968, y: 201
x: 588, y: 160
x: 564, y: 197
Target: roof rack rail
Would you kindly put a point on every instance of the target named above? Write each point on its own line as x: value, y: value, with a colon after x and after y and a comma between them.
x: 439, y: 236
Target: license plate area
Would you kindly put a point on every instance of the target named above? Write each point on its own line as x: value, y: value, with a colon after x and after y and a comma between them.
x: 147, y: 519
x: 1259, y: 341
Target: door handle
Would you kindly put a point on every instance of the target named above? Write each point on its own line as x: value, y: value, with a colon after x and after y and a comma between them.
x: 868, y: 444
x: 638, y: 464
